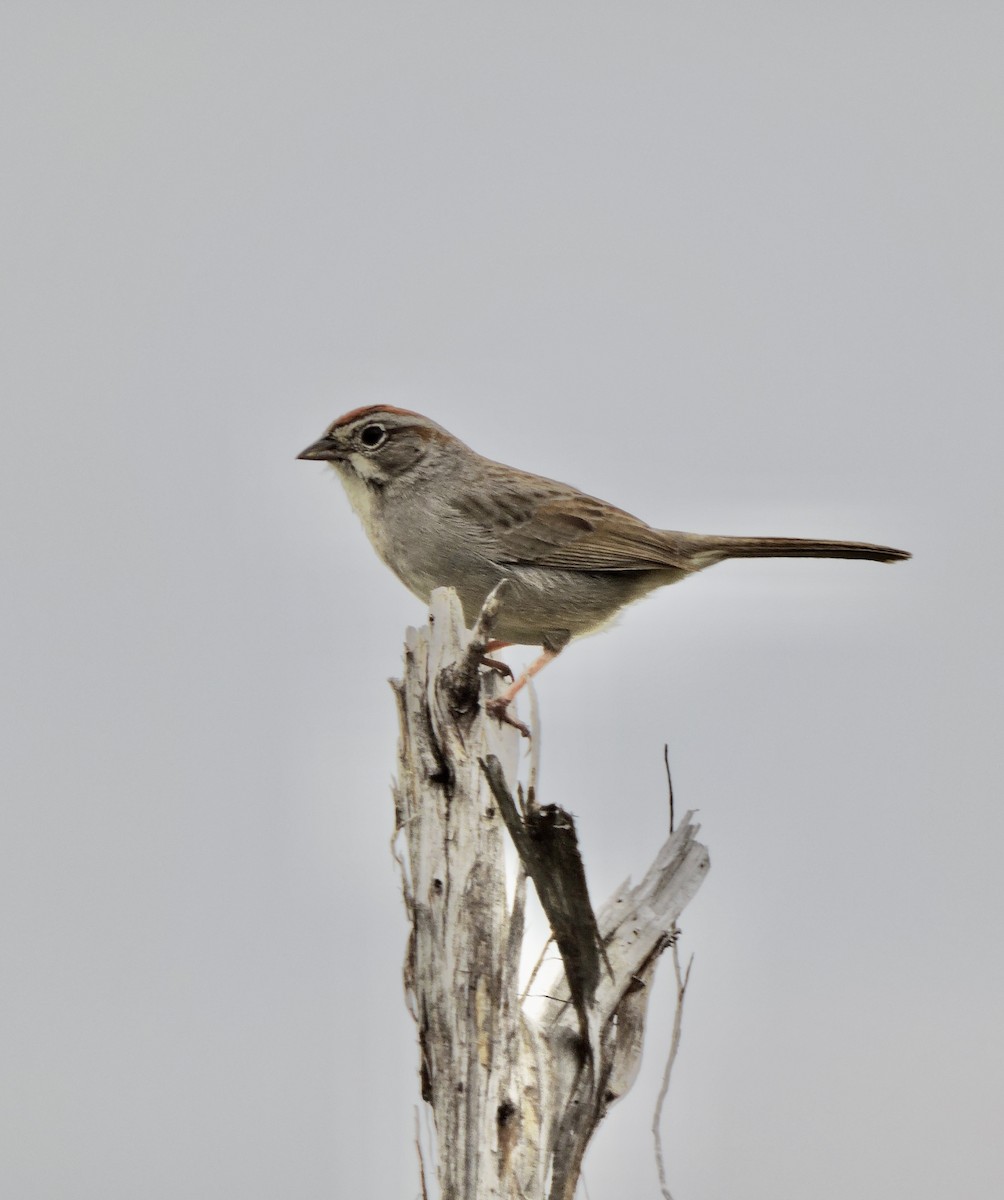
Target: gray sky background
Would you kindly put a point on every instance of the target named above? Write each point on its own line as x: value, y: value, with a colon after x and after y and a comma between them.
x: 736, y: 268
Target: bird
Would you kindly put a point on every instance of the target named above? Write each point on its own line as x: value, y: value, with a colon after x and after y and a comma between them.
x: 441, y: 515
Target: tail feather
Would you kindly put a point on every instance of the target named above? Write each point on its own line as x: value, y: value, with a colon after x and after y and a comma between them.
x: 761, y: 547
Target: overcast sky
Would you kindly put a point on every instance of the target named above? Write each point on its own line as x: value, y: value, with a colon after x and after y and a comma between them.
x: 736, y: 268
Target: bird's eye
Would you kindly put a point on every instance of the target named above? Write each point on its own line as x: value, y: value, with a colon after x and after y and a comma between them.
x: 372, y: 436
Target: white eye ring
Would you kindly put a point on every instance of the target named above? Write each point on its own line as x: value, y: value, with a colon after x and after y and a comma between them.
x: 372, y: 436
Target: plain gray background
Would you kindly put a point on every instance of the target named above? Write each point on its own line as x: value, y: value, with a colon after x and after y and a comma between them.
x: 736, y: 268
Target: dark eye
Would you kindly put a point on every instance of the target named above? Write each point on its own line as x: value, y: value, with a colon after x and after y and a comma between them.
x: 372, y: 436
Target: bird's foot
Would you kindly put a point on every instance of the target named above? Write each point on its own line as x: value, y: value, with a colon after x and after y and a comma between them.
x: 499, y: 709
x: 496, y: 664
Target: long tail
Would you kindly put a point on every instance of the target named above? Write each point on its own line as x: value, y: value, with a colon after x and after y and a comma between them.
x: 758, y: 547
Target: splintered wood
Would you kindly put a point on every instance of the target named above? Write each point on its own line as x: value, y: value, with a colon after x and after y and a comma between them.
x: 515, y: 1098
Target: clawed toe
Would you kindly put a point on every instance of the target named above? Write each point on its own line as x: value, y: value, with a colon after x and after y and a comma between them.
x: 496, y: 664
x: 499, y: 709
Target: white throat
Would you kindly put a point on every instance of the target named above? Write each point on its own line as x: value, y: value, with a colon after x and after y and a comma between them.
x: 363, y: 499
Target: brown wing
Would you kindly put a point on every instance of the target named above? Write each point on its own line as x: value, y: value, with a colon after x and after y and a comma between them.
x: 549, y: 524
x: 581, y: 534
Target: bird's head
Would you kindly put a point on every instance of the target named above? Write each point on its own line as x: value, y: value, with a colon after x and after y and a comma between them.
x: 377, y: 444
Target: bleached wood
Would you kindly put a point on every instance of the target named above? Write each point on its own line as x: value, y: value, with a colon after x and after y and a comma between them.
x: 515, y: 1097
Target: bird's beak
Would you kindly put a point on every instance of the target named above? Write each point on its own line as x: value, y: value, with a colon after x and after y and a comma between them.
x: 325, y: 449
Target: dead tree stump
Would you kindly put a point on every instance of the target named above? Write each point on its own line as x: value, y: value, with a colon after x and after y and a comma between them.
x: 515, y: 1096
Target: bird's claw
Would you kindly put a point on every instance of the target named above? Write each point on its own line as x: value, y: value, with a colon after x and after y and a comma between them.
x: 496, y: 664
x: 499, y: 709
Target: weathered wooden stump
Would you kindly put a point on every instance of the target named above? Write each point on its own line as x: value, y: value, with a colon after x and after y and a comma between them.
x: 515, y: 1097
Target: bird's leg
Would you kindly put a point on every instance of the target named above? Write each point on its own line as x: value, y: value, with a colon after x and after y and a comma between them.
x: 554, y: 643
x: 499, y: 707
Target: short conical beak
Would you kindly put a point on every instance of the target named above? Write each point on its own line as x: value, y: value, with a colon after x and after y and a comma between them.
x: 325, y: 449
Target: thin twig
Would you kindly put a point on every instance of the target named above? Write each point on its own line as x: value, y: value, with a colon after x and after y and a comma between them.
x: 681, y: 989
x: 398, y: 857
x: 421, y: 1160
x: 536, y: 969
x: 674, y: 1046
